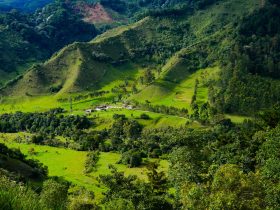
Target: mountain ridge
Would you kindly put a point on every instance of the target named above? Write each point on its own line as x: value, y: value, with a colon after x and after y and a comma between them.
x: 115, y: 47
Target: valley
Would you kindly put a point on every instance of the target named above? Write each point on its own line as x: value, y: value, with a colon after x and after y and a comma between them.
x: 133, y: 105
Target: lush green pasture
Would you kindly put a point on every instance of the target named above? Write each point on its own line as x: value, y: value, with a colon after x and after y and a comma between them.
x: 179, y: 95
x: 69, y: 164
x: 156, y: 119
x: 103, y: 118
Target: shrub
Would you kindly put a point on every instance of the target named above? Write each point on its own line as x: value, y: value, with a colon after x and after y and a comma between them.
x: 91, y: 161
x: 131, y: 158
x: 54, y: 194
x: 144, y: 116
x: 14, y: 196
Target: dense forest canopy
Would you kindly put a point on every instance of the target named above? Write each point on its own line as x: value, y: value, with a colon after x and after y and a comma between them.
x: 35, y: 37
x: 24, y: 5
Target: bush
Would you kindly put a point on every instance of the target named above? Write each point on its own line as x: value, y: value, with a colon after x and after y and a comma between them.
x: 144, y: 116
x: 14, y: 196
x: 37, y: 139
x: 54, y: 194
x: 131, y: 158
x: 91, y: 161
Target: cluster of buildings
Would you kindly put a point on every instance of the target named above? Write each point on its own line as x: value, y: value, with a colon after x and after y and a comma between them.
x: 106, y: 107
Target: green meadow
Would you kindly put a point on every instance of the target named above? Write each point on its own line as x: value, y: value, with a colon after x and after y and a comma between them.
x: 179, y: 95
x: 69, y: 164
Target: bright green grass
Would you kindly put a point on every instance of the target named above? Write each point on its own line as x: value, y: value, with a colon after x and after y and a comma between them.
x: 44, y: 103
x: 116, y: 76
x: 156, y: 119
x: 237, y: 118
x: 69, y: 164
x: 104, y: 118
x: 178, y: 95
x: 38, y: 104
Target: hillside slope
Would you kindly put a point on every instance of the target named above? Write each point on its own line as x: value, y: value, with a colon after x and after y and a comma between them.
x: 31, y: 38
x: 148, y: 44
x: 159, y: 54
x: 24, y: 5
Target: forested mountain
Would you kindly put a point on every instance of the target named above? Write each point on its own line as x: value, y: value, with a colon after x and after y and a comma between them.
x: 31, y: 38
x: 24, y: 5
x: 248, y: 54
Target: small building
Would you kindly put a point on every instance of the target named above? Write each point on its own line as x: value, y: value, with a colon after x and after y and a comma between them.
x: 101, y: 108
x: 126, y: 106
x: 88, y: 111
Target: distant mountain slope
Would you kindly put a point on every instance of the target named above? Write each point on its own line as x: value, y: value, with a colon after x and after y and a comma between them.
x: 160, y: 54
x: 148, y: 44
x: 24, y: 5
x: 31, y: 38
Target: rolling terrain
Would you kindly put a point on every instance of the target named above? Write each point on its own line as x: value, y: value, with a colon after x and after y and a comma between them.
x: 136, y: 105
x: 172, y: 55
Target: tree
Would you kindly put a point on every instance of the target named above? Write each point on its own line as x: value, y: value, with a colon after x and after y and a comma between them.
x: 148, y: 76
x: 132, y: 192
x: 91, y: 161
x: 233, y: 189
x: 54, y: 194
x: 119, y: 204
x: 157, y: 179
x: 132, y: 129
x: 131, y: 158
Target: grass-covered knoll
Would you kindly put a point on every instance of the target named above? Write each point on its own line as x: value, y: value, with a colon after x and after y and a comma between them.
x: 177, y: 50
x: 149, y: 43
x: 78, y: 67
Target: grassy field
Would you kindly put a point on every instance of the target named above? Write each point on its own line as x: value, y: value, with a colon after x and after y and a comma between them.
x: 69, y: 164
x: 41, y: 104
x: 179, y: 95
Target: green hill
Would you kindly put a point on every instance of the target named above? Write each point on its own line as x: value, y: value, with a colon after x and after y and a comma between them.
x: 172, y: 44
x: 26, y: 39
x: 157, y: 60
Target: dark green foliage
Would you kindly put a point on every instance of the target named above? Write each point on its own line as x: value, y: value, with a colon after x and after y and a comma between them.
x: 90, y: 140
x: 229, y: 167
x: 148, y: 76
x: 43, y: 122
x: 58, y: 22
x: 157, y: 179
x: 270, y: 117
x: 255, y: 54
x: 12, y: 158
x: 14, y: 196
x: 132, y: 192
x: 144, y: 116
x: 117, y: 5
x: 54, y: 195
x: 25, y: 5
x: 27, y: 38
x: 131, y: 158
x: 46, y: 126
x: 124, y: 132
